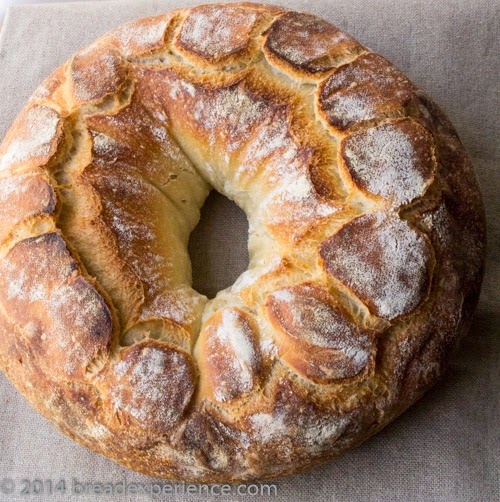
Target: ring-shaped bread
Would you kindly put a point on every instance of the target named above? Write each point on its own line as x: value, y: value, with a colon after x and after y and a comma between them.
x: 366, y: 244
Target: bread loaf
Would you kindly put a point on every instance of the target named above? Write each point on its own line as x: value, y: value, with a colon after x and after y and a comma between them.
x: 366, y: 244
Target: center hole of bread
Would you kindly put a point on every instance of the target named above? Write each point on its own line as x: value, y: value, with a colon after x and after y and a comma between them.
x: 218, y: 245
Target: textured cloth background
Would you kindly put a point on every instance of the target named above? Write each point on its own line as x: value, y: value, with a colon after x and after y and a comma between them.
x: 5, y: 4
x: 446, y: 448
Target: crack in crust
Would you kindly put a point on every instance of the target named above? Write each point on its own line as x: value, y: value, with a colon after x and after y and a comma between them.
x: 359, y: 196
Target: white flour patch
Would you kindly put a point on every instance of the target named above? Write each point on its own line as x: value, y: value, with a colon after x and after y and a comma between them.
x: 217, y: 31
x: 232, y: 351
x: 383, y: 260
x: 138, y: 37
x: 386, y: 162
x: 38, y: 130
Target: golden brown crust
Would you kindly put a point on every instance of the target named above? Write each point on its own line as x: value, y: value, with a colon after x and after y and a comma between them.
x: 228, y: 355
x: 96, y: 73
x: 149, y: 385
x: 64, y: 318
x: 367, y: 244
x: 369, y: 88
x: 393, y: 160
x: 385, y: 262
x: 305, y: 45
x: 142, y: 36
x: 316, y: 337
x: 32, y: 140
x: 248, y: 120
x: 24, y: 197
x: 216, y: 34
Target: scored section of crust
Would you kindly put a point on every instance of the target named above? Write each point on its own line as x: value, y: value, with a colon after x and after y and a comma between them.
x: 23, y: 197
x: 218, y: 34
x: 228, y: 355
x: 369, y: 88
x: 33, y: 139
x: 393, y: 160
x: 303, y: 45
x: 316, y: 336
x: 292, y: 421
x: 142, y: 36
x: 97, y: 72
x: 381, y: 258
x: 64, y: 319
x: 149, y: 386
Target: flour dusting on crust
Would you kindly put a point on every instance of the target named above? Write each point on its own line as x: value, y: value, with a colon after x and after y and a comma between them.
x: 229, y: 346
x: 316, y: 337
x: 97, y: 71
x: 368, y: 88
x: 141, y: 36
x: 393, y: 160
x: 308, y: 43
x: 293, y: 421
x: 383, y: 260
x: 37, y: 131
x: 62, y: 313
x: 209, y: 32
x: 151, y: 382
x: 364, y: 270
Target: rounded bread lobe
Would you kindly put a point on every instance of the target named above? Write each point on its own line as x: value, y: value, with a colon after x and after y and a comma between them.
x: 393, y: 160
x: 97, y: 72
x: 33, y: 139
x: 228, y: 355
x: 149, y: 385
x: 214, y: 443
x: 24, y: 197
x: 66, y: 321
x: 367, y: 89
x: 291, y: 422
x: 142, y: 36
x: 214, y: 33
x: 303, y: 44
x: 383, y: 260
x: 316, y: 337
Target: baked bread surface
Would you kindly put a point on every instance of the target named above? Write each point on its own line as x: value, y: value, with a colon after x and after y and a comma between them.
x: 366, y: 244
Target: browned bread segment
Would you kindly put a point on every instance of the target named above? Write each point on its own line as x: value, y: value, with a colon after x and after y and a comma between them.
x: 367, y: 89
x: 317, y: 338
x: 229, y: 356
x: 394, y: 160
x: 32, y: 140
x: 149, y: 385
x: 305, y: 45
x: 63, y: 317
x: 383, y: 260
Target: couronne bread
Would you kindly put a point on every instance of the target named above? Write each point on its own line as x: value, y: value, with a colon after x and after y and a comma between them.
x: 366, y: 244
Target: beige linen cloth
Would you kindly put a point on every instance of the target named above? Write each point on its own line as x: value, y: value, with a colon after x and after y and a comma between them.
x: 445, y: 448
